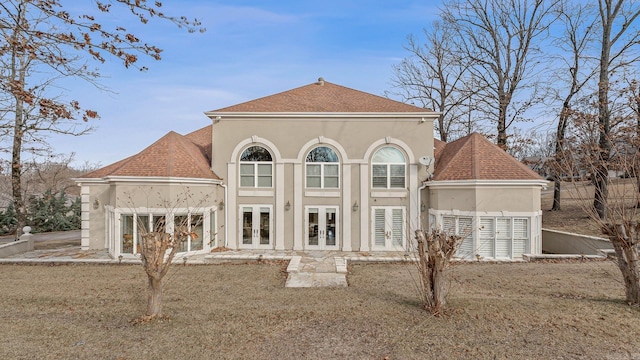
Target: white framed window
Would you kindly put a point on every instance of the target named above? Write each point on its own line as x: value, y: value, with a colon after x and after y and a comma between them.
x: 323, y: 168
x: 388, y: 167
x: 256, y: 168
x: 196, y: 225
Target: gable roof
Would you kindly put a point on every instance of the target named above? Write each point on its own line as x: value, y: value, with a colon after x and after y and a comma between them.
x: 322, y: 96
x: 473, y: 157
x: 173, y: 155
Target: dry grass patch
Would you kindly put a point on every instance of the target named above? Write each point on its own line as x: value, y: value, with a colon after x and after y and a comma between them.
x: 522, y: 310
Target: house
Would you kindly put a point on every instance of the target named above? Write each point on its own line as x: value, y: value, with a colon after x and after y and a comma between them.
x: 319, y: 167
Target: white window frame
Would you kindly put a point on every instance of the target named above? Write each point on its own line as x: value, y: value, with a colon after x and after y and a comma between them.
x: 388, y: 170
x: 256, y: 175
x: 115, y: 223
x: 322, y: 170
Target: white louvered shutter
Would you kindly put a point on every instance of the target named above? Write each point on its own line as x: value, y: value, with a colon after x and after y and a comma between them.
x: 503, y: 238
x: 379, y: 224
x: 397, y: 230
x: 465, y: 229
x: 520, y: 236
x: 487, y: 234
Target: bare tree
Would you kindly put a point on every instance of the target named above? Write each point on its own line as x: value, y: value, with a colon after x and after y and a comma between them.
x: 619, y: 34
x: 622, y: 225
x: 500, y: 40
x: 160, y: 242
x: 435, y: 250
x: 577, y: 20
x: 43, y: 41
x: 434, y: 77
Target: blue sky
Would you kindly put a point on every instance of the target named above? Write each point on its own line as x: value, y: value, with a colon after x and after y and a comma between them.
x: 250, y: 49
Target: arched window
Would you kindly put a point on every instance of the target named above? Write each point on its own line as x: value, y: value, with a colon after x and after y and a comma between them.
x: 323, y: 168
x: 388, y: 168
x: 256, y: 167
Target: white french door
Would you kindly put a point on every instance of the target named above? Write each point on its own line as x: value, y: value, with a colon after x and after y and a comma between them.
x: 321, y: 230
x: 389, y: 227
x: 257, y: 224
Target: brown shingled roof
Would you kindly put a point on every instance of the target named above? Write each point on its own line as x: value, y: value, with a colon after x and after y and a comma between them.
x: 473, y: 157
x: 323, y: 96
x: 173, y: 155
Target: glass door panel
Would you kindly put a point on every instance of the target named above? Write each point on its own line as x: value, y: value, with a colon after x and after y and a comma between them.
x: 265, y: 230
x: 330, y: 222
x: 247, y: 225
x: 313, y: 226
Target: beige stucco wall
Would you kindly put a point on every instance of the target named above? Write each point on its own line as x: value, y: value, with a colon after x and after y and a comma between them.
x: 486, y: 198
x: 354, y: 139
x: 290, y: 134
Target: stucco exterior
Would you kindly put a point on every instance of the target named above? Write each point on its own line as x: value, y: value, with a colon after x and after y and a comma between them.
x: 321, y: 167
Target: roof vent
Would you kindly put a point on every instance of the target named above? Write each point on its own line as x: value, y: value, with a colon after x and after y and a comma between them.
x: 320, y: 81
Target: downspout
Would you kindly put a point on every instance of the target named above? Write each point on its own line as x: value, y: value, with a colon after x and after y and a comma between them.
x: 424, y: 185
x: 226, y: 218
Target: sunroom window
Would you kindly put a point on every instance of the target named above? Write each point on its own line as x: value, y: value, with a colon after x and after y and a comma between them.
x: 323, y: 168
x: 256, y: 168
x: 388, y: 169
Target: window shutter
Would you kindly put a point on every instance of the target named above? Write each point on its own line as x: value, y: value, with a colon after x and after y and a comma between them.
x: 520, y: 236
x: 487, y: 234
x: 379, y: 222
x: 397, y: 227
x: 465, y: 229
x: 503, y: 238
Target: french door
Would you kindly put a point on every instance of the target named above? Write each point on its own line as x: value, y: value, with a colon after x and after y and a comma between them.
x: 257, y: 225
x: 321, y: 227
x: 389, y: 225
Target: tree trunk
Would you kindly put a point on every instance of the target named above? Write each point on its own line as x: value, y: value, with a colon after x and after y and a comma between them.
x: 438, y: 284
x: 16, y: 165
x: 556, y: 193
x: 601, y: 178
x: 626, y: 248
x: 154, y: 300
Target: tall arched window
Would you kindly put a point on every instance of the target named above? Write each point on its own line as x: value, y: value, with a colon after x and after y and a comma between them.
x: 388, y: 168
x: 323, y: 168
x: 256, y: 167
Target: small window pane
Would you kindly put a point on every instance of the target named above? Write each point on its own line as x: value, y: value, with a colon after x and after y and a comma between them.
x: 246, y: 181
x: 322, y: 154
x: 331, y: 182
x: 388, y: 155
x: 127, y: 234
x: 264, y: 169
x: 379, y: 170
x: 313, y: 182
x: 264, y: 181
x: 313, y: 170
x: 379, y: 182
x: 331, y: 170
x: 397, y: 170
x: 396, y: 182
x: 255, y: 153
x: 246, y: 169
